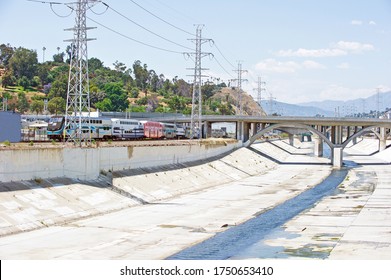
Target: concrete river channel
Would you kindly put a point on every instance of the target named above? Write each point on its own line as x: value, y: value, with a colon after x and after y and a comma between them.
x: 245, y: 240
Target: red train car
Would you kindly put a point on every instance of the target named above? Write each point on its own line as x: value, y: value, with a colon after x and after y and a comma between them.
x: 153, y: 130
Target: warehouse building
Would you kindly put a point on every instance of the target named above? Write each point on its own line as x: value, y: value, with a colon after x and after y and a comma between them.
x: 10, y: 126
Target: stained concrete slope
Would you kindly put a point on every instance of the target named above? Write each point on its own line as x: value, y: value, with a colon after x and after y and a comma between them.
x: 353, y: 223
x: 28, y: 205
x: 171, y: 219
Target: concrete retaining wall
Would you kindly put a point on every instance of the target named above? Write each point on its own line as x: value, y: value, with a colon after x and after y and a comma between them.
x: 87, y: 163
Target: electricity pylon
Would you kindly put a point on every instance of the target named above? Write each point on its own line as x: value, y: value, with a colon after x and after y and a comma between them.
x: 239, y: 80
x: 196, y: 107
x: 77, y: 116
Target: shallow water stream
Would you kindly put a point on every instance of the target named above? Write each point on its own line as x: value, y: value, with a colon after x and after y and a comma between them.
x: 238, y: 242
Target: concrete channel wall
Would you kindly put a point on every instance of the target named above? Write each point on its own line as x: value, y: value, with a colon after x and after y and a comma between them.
x: 88, y: 163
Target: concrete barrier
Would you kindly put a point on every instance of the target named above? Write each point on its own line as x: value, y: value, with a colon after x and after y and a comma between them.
x: 88, y: 163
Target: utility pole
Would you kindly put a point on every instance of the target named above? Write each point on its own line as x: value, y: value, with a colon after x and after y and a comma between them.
x: 45, y: 106
x: 5, y: 103
x: 240, y: 71
x: 196, y: 106
x: 78, y: 95
x: 43, y: 54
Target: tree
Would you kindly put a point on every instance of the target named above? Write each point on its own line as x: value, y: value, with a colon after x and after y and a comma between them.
x: 7, y: 79
x: 56, y: 105
x: 6, y: 52
x: 119, y: 66
x: 22, y: 104
x: 24, y: 63
x: 59, y: 58
x: 117, y: 96
x: 37, y: 106
x: 177, y: 103
x: 141, y: 74
x: 24, y: 82
x: 104, y: 105
x: 58, y: 88
x: 94, y: 64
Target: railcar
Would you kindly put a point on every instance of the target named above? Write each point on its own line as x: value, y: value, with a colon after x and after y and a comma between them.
x: 169, y: 130
x: 127, y: 129
x: 153, y: 130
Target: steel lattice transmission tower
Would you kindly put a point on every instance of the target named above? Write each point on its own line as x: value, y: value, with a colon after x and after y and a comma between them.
x: 196, y: 109
x: 259, y: 91
x: 239, y: 80
x: 77, y: 117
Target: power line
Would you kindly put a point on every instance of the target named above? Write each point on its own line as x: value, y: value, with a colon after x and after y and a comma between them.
x: 134, y: 40
x: 146, y: 29
x: 222, y: 67
x: 233, y: 66
x: 170, y: 24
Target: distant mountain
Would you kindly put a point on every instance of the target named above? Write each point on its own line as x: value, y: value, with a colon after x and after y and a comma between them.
x: 286, y: 109
x: 329, y: 108
x: 360, y: 105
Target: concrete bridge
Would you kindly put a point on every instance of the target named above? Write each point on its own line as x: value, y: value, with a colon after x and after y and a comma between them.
x: 337, y: 133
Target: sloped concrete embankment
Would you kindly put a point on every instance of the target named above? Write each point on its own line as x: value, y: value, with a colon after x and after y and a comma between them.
x: 32, y: 204
x: 87, y: 163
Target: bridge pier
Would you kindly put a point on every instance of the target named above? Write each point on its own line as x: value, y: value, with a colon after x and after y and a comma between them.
x: 382, y: 139
x: 337, y: 156
x: 291, y: 139
x: 207, y: 129
x: 318, y: 147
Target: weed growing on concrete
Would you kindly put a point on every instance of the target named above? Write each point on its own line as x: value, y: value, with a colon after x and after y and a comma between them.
x: 31, y: 143
x: 7, y: 143
x: 37, y: 180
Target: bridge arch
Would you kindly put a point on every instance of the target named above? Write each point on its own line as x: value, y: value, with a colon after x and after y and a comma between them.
x: 360, y: 133
x: 298, y: 125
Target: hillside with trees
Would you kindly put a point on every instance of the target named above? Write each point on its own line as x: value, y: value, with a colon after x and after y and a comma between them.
x: 26, y: 83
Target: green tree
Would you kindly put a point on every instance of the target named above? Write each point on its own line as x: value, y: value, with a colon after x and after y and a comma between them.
x: 104, y: 105
x: 177, y: 103
x: 7, y: 79
x: 24, y: 63
x: 117, y: 96
x: 6, y: 52
x: 37, y: 106
x: 119, y: 66
x: 59, y: 58
x: 94, y: 64
x: 58, y: 88
x: 22, y: 104
x: 141, y: 75
x: 24, y: 82
x: 56, y: 105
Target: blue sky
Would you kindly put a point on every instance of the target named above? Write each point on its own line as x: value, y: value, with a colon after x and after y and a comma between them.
x: 304, y: 50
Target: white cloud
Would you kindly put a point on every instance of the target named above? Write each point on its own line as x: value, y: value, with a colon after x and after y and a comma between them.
x: 354, y: 46
x: 287, y: 67
x: 272, y: 65
x: 309, y: 64
x: 356, y: 22
x: 344, y: 65
x: 311, y: 53
x: 337, y: 49
x: 372, y: 22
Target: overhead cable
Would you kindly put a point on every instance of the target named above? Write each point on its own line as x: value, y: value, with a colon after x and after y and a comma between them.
x: 134, y: 40
x: 146, y: 29
x: 156, y: 16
